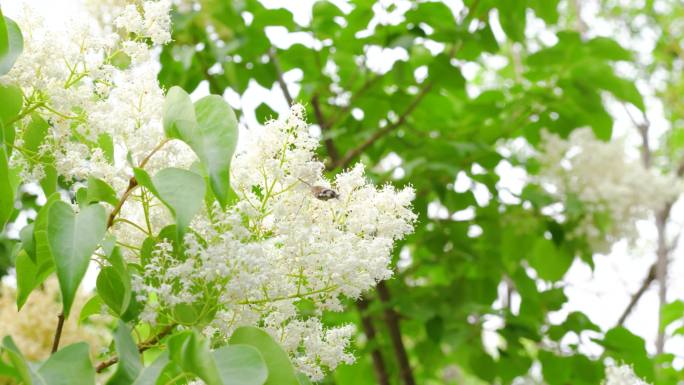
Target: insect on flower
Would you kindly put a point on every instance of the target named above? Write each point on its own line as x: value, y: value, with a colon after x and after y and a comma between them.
x: 322, y: 193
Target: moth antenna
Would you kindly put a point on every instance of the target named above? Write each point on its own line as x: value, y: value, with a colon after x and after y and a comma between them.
x: 305, y: 182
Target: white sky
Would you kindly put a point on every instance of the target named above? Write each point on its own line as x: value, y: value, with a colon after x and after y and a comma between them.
x: 603, y: 294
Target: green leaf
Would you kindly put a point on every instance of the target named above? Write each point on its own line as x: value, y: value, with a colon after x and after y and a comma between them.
x: 6, y: 189
x: 180, y: 190
x: 91, y: 307
x: 240, y: 365
x: 29, y: 276
x: 100, y: 191
x: 114, y: 289
x: 70, y: 365
x: 15, y: 44
x: 210, y: 130
x: 671, y: 312
x: 4, y: 36
x: 26, y: 373
x: 280, y: 370
x: 179, y: 113
x: 630, y: 348
x: 12, y: 100
x: 73, y: 238
x: 130, y: 364
x: 35, y: 133
x: 550, y: 262
x: 33, y: 270
x: 191, y: 352
x: 151, y: 373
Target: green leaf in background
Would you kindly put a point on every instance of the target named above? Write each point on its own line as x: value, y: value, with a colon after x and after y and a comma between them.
x: 73, y: 238
x: 210, y: 129
x: 240, y: 365
x: 629, y: 348
x: 280, y: 370
x: 130, y: 364
x: 70, y: 365
x: 191, y: 352
x: 671, y: 312
x: 550, y: 262
x: 100, y: 191
x: 182, y: 191
x: 15, y: 44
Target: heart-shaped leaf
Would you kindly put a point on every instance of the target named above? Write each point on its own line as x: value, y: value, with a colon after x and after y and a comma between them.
x: 182, y: 191
x: 210, y: 129
x: 280, y: 370
x: 73, y: 238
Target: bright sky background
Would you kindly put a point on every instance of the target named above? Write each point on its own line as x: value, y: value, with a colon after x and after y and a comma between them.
x: 602, y: 294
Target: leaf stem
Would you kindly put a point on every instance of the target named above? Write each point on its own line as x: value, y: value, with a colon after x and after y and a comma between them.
x: 145, y: 345
x: 58, y: 332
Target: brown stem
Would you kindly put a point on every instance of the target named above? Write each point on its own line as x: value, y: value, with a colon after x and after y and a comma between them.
x: 145, y: 345
x: 132, y: 184
x: 353, y: 153
x: 369, y: 330
x: 280, y: 79
x: 333, y: 154
x: 650, y: 277
x: 661, y: 270
x: 58, y: 332
x: 392, y: 322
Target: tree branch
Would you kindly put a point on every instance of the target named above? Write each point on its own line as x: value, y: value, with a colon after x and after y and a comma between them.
x: 279, y: 71
x: 369, y: 330
x: 353, y: 153
x: 392, y: 322
x: 150, y: 343
x: 333, y: 154
x: 650, y: 277
x: 58, y: 332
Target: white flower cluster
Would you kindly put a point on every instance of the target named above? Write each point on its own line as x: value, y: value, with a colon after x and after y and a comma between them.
x: 611, y: 190
x: 96, y: 82
x: 280, y: 249
x: 278, y: 257
x: 622, y: 375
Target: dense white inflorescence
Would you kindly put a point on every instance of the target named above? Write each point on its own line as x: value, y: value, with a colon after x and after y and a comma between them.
x: 98, y: 82
x: 279, y: 248
x: 277, y: 257
x: 622, y: 375
x: 603, y: 191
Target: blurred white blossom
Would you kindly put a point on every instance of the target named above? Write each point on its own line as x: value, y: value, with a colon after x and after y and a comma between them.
x: 622, y: 375
x: 604, y: 191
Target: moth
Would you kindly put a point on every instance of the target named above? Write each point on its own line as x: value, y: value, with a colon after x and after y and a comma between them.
x: 322, y: 193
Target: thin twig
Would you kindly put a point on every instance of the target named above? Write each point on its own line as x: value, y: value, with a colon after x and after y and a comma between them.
x: 392, y: 322
x: 58, y: 332
x: 353, y: 153
x: 279, y: 73
x: 145, y: 345
x: 379, y: 366
x: 650, y: 277
x: 333, y: 154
